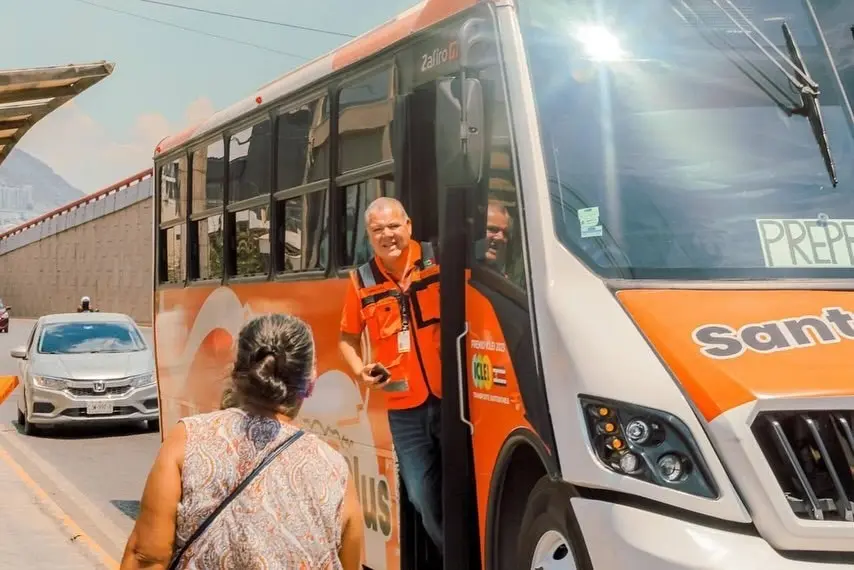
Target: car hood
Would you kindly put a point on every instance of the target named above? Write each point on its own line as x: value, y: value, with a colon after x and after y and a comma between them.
x: 728, y: 348
x: 94, y: 366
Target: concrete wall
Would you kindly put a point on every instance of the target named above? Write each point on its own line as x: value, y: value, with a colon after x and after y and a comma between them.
x: 101, y: 248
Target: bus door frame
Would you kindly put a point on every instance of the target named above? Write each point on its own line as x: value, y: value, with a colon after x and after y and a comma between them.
x: 461, y: 158
x: 458, y: 157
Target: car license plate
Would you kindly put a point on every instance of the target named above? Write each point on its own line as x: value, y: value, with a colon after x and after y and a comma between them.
x: 99, y: 408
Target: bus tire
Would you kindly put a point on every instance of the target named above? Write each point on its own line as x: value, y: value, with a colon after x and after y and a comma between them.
x: 550, y: 538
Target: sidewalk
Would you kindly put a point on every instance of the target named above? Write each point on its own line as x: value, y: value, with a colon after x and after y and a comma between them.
x: 33, y: 533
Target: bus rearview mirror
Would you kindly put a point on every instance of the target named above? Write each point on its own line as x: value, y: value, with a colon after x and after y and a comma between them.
x: 459, y: 131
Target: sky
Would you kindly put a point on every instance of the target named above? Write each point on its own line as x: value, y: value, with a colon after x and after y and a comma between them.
x: 166, y: 78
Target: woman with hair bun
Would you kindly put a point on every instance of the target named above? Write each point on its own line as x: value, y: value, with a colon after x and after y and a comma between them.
x: 243, y: 487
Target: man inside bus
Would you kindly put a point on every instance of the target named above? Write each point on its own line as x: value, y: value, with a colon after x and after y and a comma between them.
x: 492, y: 250
x: 395, y: 297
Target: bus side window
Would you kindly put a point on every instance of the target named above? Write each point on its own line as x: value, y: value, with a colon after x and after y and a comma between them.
x: 365, y: 165
x: 249, y: 179
x: 499, y: 250
x: 172, y: 204
x: 302, y: 200
x: 305, y: 232
x: 208, y: 167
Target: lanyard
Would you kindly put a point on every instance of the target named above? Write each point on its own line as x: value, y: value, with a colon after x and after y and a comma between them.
x: 403, y: 300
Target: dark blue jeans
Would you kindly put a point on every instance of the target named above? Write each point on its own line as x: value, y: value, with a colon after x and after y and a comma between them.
x: 416, y: 434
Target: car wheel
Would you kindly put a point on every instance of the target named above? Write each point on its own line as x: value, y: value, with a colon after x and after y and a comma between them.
x: 29, y: 429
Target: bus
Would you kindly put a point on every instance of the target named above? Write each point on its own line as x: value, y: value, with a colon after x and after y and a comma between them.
x: 644, y: 214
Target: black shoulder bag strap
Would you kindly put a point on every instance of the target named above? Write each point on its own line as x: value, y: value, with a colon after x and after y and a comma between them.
x: 243, y: 484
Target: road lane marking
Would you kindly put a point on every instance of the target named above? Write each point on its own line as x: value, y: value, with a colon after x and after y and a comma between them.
x: 98, y: 518
x: 77, y: 534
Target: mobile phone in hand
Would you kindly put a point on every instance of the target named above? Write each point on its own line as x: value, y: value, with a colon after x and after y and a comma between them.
x: 381, y: 373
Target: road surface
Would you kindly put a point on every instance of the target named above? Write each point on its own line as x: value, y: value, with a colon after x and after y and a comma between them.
x: 95, y: 476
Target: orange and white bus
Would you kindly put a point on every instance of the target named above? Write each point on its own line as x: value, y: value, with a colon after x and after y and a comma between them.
x: 645, y: 218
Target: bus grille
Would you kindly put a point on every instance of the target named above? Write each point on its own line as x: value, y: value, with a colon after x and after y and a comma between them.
x: 812, y: 456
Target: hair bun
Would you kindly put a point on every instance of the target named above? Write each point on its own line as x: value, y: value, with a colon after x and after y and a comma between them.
x: 274, y: 362
x: 263, y: 352
x: 263, y: 378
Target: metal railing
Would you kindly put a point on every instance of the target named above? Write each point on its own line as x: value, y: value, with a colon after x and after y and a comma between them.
x: 89, y: 198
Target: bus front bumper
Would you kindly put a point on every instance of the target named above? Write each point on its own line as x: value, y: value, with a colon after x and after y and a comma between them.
x: 619, y: 536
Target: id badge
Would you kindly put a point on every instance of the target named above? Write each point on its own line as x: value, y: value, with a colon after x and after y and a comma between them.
x: 403, y: 341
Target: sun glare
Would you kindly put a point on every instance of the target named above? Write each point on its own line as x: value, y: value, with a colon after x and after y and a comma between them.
x: 599, y: 43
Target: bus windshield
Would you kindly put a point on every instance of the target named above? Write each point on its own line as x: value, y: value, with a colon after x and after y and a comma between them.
x: 682, y: 140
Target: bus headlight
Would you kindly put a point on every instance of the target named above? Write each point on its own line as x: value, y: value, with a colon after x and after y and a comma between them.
x: 647, y: 444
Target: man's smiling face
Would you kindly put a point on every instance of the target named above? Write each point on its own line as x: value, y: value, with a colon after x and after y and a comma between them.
x: 390, y: 231
x: 497, y: 232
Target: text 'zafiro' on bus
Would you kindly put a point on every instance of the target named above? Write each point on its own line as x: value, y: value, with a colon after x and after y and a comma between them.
x: 640, y: 211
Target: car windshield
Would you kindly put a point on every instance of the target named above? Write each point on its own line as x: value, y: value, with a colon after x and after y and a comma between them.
x: 89, y: 337
x: 682, y: 141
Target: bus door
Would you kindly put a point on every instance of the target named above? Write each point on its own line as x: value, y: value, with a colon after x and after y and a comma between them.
x: 445, y: 182
x: 438, y: 203
x: 488, y: 339
x: 462, y: 194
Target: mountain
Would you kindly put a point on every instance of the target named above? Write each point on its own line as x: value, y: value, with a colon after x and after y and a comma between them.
x: 29, y: 188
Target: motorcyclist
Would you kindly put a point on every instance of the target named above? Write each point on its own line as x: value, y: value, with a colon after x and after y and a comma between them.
x: 86, y: 306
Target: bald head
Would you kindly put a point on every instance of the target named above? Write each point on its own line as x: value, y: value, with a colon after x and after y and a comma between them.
x: 384, y: 203
x: 389, y: 230
x: 498, y: 208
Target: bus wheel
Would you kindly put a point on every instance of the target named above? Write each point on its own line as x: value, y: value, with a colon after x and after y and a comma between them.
x: 552, y: 552
x: 551, y: 539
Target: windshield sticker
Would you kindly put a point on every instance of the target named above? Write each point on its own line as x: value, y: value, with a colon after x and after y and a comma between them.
x: 588, y: 220
x: 816, y: 242
x: 595, y: 231
x: 722, y: 342
x: 588, y: 217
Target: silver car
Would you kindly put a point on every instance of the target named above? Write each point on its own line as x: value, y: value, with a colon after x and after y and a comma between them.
x: 86, y: 367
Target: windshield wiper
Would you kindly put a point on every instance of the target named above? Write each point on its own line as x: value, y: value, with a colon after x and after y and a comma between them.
x: 808, y: 88
x: 810, y: 107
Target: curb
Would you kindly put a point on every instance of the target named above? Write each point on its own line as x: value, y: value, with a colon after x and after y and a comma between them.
x: 110, y: 531
x: 73, y: 532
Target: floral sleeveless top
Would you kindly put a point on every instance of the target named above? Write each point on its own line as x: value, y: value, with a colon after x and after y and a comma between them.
x: 288, y: 517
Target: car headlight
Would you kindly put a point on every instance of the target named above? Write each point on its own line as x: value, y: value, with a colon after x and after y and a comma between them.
x: 49, y: 383
x: 647, y: 444
x: 142, y: 380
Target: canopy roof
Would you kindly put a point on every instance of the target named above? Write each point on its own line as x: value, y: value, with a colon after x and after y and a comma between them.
x: 29, y: 95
